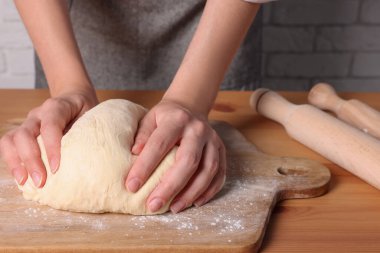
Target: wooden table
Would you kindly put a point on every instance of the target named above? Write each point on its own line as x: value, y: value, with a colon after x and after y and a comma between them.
x: 347, y: 219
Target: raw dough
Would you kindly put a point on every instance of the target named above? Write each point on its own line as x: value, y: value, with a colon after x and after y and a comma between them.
x: 95, y: 160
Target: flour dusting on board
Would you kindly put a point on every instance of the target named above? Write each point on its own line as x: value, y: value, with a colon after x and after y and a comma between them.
x: 236, y: 217
x: 6, y: 182
x: 243, y: 199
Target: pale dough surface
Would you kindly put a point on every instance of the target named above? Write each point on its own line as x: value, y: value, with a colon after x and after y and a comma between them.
x: 95, y: 160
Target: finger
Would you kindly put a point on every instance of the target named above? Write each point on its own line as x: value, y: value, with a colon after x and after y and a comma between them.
x: 51, y: 133
x: 9, y: 154
x: 53, y: 126
x: 175, y: 179
x: 218, y: 181
x: 158, y: 145
x: 29, y: 151
x: 146, y: 127
x: 199, y: 183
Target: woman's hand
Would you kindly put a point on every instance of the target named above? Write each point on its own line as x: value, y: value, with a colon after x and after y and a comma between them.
x: 19, y: 147
x: 200, y: 163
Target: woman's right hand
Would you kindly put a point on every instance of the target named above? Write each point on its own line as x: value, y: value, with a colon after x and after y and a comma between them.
x: 19, y: 147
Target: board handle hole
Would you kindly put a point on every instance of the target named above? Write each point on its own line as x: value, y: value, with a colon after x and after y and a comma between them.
x: 293, y: 171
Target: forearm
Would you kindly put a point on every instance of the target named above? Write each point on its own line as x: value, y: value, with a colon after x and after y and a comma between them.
x: 221, y: 30
x: 49, y: 27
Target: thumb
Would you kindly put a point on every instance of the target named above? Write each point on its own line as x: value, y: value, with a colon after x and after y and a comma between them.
x: 145, y: 129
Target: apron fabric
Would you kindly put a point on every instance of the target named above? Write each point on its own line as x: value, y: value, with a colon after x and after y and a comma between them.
x: 139, y: 44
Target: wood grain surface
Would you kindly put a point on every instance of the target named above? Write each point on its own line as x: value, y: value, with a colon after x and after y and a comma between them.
x: 347, y: 146
x: 234, y: 222
x: 347, y: 219
x: 352, y: 111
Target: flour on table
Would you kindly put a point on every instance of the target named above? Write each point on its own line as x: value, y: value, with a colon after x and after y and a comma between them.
x: 95, y: 159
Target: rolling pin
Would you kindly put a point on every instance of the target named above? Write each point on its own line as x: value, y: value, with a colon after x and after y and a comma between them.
x: 339, y: 142
x: 354, y: 112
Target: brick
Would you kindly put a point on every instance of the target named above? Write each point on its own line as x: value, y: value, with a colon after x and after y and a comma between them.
x: 2, y: 62
x: 17, y: 82
x: 8, y: 11
x: 9, y: 27
x: 315, y: 12
x: 288, y: 39
x: 20, y: 61
x: 370, y: 11
x: 308, y: 65
x: 263, y: 64
x: 15, y: 40
x: 267, y: 11
x: 353, y: 84
x: 366, y: 65
x: 14, y: 35
x: 349, y: 38
x: 286, y: 84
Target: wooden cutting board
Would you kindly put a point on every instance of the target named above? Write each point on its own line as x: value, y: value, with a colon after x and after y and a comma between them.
x: 233, y: 222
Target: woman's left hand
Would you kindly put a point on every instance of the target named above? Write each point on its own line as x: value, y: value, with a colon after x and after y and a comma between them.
x: 200, y: 162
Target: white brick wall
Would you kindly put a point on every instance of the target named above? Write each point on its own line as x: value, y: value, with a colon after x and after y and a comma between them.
x: 304, y: 41
x: 16, y: 52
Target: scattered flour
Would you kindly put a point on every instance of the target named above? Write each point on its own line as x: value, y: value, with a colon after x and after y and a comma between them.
x: 239, y: 209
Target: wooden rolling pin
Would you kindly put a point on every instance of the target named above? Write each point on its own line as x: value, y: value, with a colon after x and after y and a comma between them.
x: 339, y: 142
x: 354, y: 112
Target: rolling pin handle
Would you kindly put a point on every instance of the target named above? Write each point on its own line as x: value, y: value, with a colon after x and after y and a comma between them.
x: 255, y: 99
x: 354, y: 112
x: 324, y: 96
x: 271, y: 105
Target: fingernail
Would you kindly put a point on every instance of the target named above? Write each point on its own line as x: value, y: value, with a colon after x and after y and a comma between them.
x: 155, y: 205
x: 18, y: 175
x: 200, y: 202
x: 178, y: 206
x: 134, y: 185
x: 36, y: 178
x: 136, y: 149
x: 54, y: 164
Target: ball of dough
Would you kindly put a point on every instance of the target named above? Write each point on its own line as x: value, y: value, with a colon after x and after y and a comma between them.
x: 95, y: 159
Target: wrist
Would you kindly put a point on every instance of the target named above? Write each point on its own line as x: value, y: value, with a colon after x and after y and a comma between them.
x: 83, y: 92
x: 179, y: 104
x: 189, y: 103
x: 82, y: 86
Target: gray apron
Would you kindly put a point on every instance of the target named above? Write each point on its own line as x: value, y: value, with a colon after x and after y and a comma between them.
x: 139, y: 44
